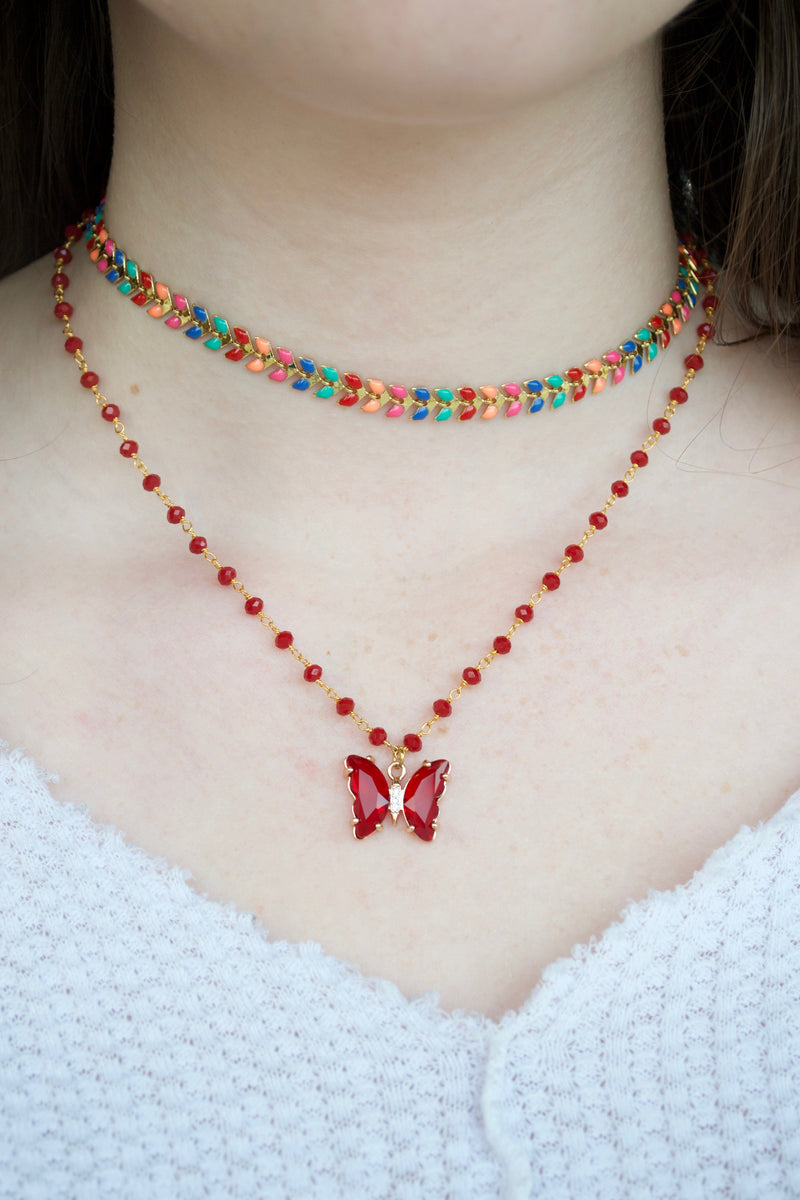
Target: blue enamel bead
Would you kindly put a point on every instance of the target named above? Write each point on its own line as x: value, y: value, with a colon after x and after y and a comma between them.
x: 628, y: 347
x: 194, y: 332
x: 420, y: 414
x: 306, y: 365
x: 112, y: 276
x: 537, y: 405
x: 421, y: 394
x: 301, y: 385
x: 636, y: 364
x: 534, y: 386
x: 119, y: 258
x: 201, y: 314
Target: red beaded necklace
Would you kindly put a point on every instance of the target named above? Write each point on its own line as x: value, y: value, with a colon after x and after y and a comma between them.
x: 374, y: 795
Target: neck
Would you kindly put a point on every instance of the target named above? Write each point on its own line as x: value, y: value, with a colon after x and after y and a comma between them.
x: 439, y: 253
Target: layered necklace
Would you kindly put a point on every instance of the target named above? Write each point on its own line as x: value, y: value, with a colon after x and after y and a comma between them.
x: 375, y: 794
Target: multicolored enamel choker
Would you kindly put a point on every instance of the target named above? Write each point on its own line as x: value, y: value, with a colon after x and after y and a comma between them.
x: 375, y: 794
x: 305, y: 374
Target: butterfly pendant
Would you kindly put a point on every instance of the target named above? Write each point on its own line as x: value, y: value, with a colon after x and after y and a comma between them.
x: 374, y: 795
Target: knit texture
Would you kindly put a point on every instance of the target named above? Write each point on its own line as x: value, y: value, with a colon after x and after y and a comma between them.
x: 156, y: 1045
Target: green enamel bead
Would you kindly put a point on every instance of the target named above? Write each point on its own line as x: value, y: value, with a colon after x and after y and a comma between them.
x: 126, y: 287
x: 644, y: 335
x: 132, y: 270
x: 652, y: 351
x: 445, y: 395
x: 554, y: 381
x: 445, y: 414
x: 329, y: 373
x: 559, y: 399
x: 222, y: 326
x: 325, y: 393
x: 213, y: 343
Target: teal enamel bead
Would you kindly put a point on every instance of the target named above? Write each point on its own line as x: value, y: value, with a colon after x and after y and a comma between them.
x: 213, y: 343
x: 652, y: 351
x: 554, y: 381
x: 325, y: 392
x: 222, y: 326
x: 126, y: 287
x: 445, y: 414
x: 558, y: 399
x: 445, y: 395
x: 329, y: 373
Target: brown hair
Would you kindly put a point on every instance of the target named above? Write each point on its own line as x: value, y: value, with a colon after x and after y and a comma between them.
x: 732, y: 122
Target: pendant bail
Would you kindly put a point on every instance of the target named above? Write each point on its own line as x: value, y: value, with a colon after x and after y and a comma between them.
x: 396, y: 769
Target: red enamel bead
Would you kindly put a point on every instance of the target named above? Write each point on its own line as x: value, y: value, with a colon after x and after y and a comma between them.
x: 639, y: 458
x: 72, y: 344
x: 598, y: 519
x: 524, y: 612
x: 235, y: 354
x: 63, y: 309
x: 197, y: 545
x: 579, y: 392
x: 140, y: 299
x: 349, y: 399
x: 345, y: 706
x: 705, y: 330
x: 468, y: 394
x: 412, y: 742
x: 64, y: 254
x: 226, y: 575
x: 283, y: 640
x: 661, y: 425
x: 551, y: 581
x: 377, y: 736
x: 128, y: 449
x: 694, y: 362
x: 147, y: 280
x: 710, y: 302
x: 442, y: 708
x: 575, y: 374
x: 468, y: 413
x: 502, y: 645
x: 353, y: 382
x: 175, y: 514
x: 656, y: 323
x: 574, y: 553
x: 241, y: 335
x: 471, y: 675
x: 665, y: 339
x: 679, y: 395
x: 109, y: 412
x: 60, y: 280
x: 312, y: 673
x: 151, y: 482
x: 619, y: 488
x: 254, y: 605
x: 89, y: 379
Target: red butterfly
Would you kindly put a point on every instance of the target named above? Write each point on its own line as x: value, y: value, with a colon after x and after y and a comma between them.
x: 374, y: 796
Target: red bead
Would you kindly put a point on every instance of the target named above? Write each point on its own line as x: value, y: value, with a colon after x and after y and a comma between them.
x: 63, y: 309
x: 254, y: 606
x: 353, y: 382
x: 128, y: 449
x: 656, y: 323
x: 72, y: 344
x: 502, y: 645
x: 524, y: 612
x: 694, y: 362
x: 551, y: 581
x: 710, y: 302
x: 235, y: 354
x: 574, y: 553
x: 575, y: 374
x: 468, y: 413
x: 349, y: 399
x: 579, y: 392
x: 665, y: 339
x: 109, y: 412
x: 151, y: 482
x: 197, y: 545
x: 64, y: 254
x: 147, y: 280
x: 471, y: 675
x: 312, y: 673
x: 639, y: 458
x: 72, y: 233
x: 226, y: 575
x: 60, y: 280
x: 412, y: 742
x: 377, y: 736
x: 175, y: 514
x: 661, y: 425
x: 140, y: 299
x: 707, y: 275
x: 442, y: 708
x: 241, y: 335
x: 283, y: 640
x: 89, y: 379
x: 598, y: 519
x: 705, y: 330
x: 619, y: 488
x: 467, y: 394
x: 345, y: 706
x: 679, y: 395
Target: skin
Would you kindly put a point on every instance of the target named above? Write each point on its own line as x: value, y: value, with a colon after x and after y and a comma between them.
x: 486, y: 199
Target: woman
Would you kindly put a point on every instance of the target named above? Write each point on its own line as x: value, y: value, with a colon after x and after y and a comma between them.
x: 440, y: 195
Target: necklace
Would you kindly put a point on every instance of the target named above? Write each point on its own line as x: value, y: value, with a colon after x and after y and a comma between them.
x: 372, y: 794
x: 304, y: 374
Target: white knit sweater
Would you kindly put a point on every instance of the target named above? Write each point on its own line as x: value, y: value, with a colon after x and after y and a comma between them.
x: 155, y: 1045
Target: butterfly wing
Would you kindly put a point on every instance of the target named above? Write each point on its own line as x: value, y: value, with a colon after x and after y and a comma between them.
x: 421, y: 799
x: 370, y: 792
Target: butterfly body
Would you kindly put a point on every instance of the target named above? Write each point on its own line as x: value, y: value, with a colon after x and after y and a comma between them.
x: 374, y: 796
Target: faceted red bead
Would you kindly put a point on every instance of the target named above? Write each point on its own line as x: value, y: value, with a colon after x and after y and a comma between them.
x: 63, y: 309
x: 312, y: 673
x: 471, y: 675
x: 197, y: 545
x: 345, y: 706
x: 60, y: 280
x: 175, y: 514
x: 254, y: 605
x: 524, y: 612
x: 283, y: 640
x: 661, y: 425
x: 128, y: 449
x: 707, y: 275
x: 377, y: 736
x: 468, y: 394
x: 598, y: 519
x: 442, y: 708
x: 502, y: 645
x: 710, y: 302
x: 574, y: 553
x: 412, y: 742
x: 109, y: 412
x: 639, y: 458
x: 705, y: 330
x: 226, y: 575
x: 694, y: 362
x: 151, y: 482
x: 63, y: 254
x: 551, y: 581
x: 72, y: 233
x: 679, y: 395
x: 353, y: 382
x: 89, y: 379
x: 349, y: 399
x: 72, y: 344
x: 619, y: 488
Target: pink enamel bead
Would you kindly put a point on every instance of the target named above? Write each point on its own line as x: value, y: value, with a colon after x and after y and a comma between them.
x: 612, y: 357
x: 102, y: 265
x: 397, y: 392
x: 396, y: 410
x: 283, y: 355
x: 180, y: 302
x: 278, y: 375
x: 619, y: 374
x: 174, y: 321
x: 514, y: 407
x: 512, y: 389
